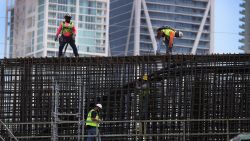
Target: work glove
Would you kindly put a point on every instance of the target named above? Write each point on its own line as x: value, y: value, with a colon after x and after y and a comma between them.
x: 56, y: 37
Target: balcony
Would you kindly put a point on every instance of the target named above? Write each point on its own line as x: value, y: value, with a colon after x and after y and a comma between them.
x: 243, y: 19
x: 242, y: 47
x: 243, y: 5
x: 243, y: 12
x: 242, y: 26
x: 242, y: 33
x: 242, y: 40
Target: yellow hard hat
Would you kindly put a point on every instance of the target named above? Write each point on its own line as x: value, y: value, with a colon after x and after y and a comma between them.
x: 145, y: 77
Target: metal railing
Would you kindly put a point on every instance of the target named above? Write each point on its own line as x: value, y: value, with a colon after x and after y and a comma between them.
x: 138, y: 129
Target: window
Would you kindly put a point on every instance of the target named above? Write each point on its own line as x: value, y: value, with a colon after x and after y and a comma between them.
x: 52, y: 7
x: 83, y: 10
x: 92, y: 4
x: 62, y: 8
x: 72, y: 2
x: 40, y: 9
x: 83, y: 3
x: 72, y: 9
x: 41, y: 2
x: 52, y: 15
x: 40, y: 16
x: 99, y: 12
x: 62, y: 1
x: 40, y: 24
x: 51, y: 45
x: 60, y: 16
x: 40, y: 31
x: 50, y: 37
x: 53, y: 1
x: 52, y: 22
x: 99, y: 4
x: 51, y: 54
x: 51, y: 30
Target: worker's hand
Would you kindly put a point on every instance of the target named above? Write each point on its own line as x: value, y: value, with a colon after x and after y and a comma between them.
x: 56, y: 37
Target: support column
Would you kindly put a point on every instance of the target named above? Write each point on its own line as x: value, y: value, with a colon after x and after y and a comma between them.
x: 130, y: 28
x: 150, y: 28
x: 211, y: 49
x: 107, y: 46
x: 6, y: 28
x: 197, y: 39
x: 137, y: 27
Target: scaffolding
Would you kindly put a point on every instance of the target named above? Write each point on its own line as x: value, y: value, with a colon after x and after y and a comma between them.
x: 186, y: 97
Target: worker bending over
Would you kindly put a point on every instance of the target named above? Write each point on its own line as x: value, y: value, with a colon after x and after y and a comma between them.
x: 166, y: 34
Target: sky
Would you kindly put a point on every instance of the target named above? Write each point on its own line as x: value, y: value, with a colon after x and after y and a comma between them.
x: 226, y: 26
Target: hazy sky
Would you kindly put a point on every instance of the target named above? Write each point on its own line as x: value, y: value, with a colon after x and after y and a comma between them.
x: 226, y: 26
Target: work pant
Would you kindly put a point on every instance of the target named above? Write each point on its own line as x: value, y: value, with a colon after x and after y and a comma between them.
x: 93, y: 131
x: 64, y: 40
x: 160, y: 45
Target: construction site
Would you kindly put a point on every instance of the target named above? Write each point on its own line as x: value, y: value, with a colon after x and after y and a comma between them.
x: 189, y: 97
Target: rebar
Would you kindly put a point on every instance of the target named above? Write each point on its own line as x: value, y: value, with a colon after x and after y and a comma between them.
x: 191, y: 88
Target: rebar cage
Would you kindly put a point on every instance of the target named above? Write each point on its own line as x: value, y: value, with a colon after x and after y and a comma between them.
x: 185, y: 97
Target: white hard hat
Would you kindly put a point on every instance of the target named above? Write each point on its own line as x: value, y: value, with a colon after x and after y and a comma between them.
x: 99, y: 105
x: 178, y: 34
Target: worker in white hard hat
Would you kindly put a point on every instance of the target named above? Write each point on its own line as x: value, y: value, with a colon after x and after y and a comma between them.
x: 166, y: 35
x: 93, y: 121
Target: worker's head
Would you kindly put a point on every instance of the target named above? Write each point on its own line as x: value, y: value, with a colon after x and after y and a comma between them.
x: 145, y: 77
x: 67, y: 17
x: 98, y: 106
x: 178, y: 34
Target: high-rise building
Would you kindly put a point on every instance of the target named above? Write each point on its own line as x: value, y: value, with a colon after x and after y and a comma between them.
x: 133, y: 25
x: 245, y: 26
x: 36, y: 21
x: 9, y: 30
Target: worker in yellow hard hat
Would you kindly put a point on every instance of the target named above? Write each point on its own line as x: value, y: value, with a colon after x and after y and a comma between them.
x: 143, y: 89
x: 145, y: 77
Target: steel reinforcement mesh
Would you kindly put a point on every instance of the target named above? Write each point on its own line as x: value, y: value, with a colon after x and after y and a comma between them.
x: 186, y: 97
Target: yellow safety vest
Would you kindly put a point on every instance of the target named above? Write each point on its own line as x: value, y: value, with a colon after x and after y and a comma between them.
x: 167, y: 32
x: 89, y: 121
x: 68, y: 28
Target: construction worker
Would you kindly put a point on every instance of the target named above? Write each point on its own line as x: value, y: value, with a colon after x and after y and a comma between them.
x: 144, y: 91
x: 68, y: 34
x: 166, y: 35
x: 92, y: 123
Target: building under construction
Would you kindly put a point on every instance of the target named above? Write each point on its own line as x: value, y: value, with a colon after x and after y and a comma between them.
x: 187, y: 98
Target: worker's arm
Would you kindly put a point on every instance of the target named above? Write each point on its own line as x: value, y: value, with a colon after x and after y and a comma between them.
x: 59, y: 30
x: 74, y: 32
x: 171, y: 39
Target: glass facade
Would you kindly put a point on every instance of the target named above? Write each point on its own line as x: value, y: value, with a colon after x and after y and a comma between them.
x: 43, y: 17
x: 91, y: 25
x: 245, y: 26
x: 184, y: 15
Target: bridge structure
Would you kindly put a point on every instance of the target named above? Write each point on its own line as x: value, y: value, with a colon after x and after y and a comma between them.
x: 186, y: 97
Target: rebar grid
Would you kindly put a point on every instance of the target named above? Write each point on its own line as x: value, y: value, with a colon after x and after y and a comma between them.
x: 179, y: 87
